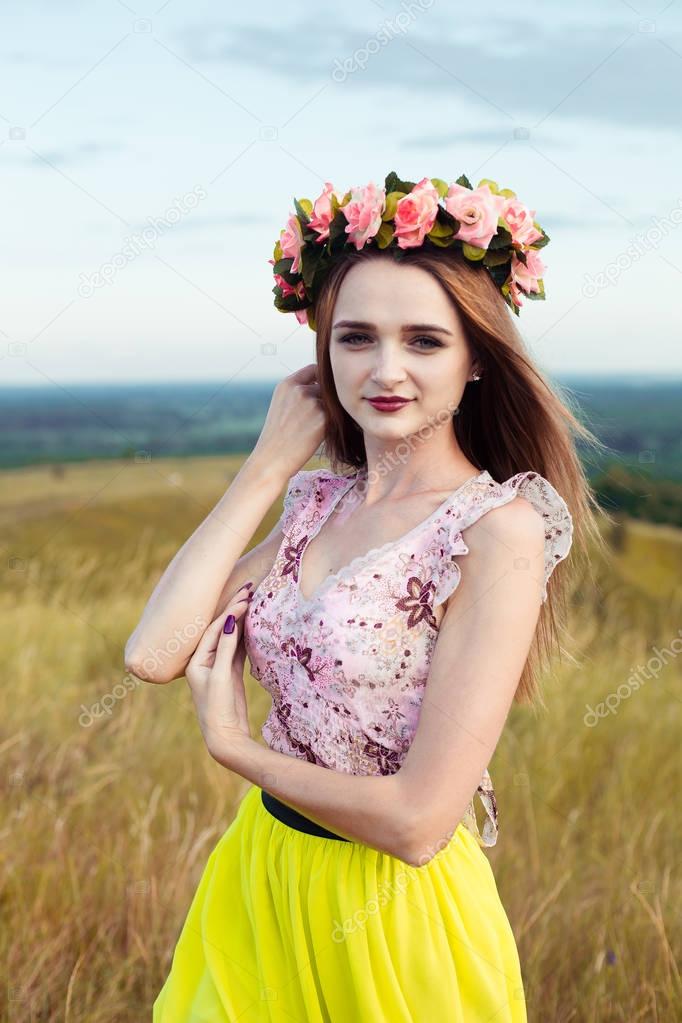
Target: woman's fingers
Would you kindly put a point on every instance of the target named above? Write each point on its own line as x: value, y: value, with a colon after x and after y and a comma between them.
x: 227, y: 641
x: 239, y: 690
x: 209, y: 641
x: 305, y: 374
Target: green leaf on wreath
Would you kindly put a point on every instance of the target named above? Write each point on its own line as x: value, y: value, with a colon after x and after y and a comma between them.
x: 499, y: 274
x: 464, y: 182
x: 440, y: 186
x: 288, y: 304
x: 311, y: 258
x: 283, y: 267
x: 392, y: 199
x: 541, y: 242
x: 502, y: 239
x: 442, y: 243
x: 394, y: 184
x: 494, y: 187
x: 496, y: 257
x: 444, y: 217
x: 472, y: 252
x: 304, y: 209
x: 537, y: 296
x: 440, y: 230
x: 384, y: 236
x: 337, y: 228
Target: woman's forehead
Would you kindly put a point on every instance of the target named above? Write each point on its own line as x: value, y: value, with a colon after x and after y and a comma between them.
x: 386, y: 292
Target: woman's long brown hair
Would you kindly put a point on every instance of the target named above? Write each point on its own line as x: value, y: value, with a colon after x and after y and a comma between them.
x: 510, y: 421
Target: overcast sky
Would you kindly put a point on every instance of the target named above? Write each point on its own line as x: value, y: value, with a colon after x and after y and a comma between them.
x: 206, y: 122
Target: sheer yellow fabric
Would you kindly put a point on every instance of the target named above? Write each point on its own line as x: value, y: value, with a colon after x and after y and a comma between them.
x: 286, y: 926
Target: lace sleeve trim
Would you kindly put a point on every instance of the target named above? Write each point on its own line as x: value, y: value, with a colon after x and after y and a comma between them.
x: 298, y: 491
x: 537, y: 491
x: 486, y: 794
x: 554, y: 511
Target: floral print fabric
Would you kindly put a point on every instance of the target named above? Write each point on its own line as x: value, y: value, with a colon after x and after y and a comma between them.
x: 347, y: 667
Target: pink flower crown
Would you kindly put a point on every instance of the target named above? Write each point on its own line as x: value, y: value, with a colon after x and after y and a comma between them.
x: 490, y: 225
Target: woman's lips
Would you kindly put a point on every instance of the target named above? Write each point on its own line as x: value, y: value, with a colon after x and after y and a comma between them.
x: 388, y: 404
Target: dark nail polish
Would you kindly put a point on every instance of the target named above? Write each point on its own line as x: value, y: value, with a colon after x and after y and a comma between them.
x: 229, y: 624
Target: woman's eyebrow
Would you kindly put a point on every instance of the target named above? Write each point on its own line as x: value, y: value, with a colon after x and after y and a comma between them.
x: 365, y: 325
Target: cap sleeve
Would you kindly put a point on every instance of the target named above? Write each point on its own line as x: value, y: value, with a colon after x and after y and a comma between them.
x: 554, y: 511
x: 488, y: 494
x: 296, y: 498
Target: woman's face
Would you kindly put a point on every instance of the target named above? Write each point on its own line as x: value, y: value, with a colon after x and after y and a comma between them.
x: 396, y: 332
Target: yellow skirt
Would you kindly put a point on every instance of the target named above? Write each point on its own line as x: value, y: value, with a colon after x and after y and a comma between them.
x: 286, y: 926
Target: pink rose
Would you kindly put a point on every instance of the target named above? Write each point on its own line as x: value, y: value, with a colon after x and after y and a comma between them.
x: 520, y: 221
x: 415, y: 214
x: 298, y: 290
x: 526, y: 275
x: 322, y: 211
x: 477, y: 210
x: 515, y: 292
x: 291, y: 241
x: 363, y: 212
x: 288, y: 289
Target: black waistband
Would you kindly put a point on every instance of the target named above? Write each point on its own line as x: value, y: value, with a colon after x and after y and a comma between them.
x: 294, y: 819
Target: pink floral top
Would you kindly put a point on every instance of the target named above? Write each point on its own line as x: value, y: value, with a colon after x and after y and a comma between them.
x: 347, y: 668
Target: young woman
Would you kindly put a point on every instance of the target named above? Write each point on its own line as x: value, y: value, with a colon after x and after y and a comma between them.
x: 393, y: 614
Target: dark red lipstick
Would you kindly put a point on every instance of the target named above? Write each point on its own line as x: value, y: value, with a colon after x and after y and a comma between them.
x: 388, y: 404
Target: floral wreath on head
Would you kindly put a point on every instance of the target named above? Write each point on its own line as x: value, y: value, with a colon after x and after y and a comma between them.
x: 490, y: 225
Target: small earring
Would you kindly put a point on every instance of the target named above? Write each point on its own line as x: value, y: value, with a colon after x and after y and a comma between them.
x: 476, y: 376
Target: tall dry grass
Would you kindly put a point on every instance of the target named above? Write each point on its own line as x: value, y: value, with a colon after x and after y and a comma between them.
x: 108, y: 822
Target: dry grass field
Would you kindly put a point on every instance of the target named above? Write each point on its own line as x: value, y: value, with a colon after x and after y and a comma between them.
x: 108, y: 820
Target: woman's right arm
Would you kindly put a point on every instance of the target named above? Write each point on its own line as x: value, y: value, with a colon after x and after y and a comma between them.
x: 188, y: 596
x: 211, y: 566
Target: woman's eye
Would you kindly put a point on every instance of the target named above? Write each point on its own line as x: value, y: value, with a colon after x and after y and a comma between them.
x: 431, y: 341
x: 350, y: 338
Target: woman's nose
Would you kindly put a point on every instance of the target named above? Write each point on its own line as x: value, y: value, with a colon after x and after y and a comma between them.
x: 388, y: 366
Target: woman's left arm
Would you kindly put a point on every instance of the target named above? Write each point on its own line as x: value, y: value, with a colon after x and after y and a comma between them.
x: 482, y: 646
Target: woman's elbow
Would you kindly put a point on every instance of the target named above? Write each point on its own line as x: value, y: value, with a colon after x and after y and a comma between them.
x: 145, y: 666
x: 144, y: 676
x: 418, y: 854
x: 407, y: 841
x: 421, y: 836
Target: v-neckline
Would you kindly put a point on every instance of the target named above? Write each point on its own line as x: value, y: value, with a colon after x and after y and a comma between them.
x: 345, y: 570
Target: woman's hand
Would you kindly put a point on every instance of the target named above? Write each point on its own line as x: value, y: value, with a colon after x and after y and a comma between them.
x: 215, y: 675
x: 294, y: 426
